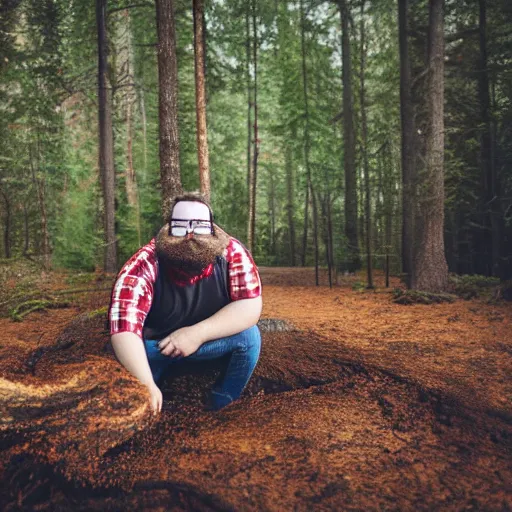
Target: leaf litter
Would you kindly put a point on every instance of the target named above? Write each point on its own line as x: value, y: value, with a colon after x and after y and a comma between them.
x: 357, y: 403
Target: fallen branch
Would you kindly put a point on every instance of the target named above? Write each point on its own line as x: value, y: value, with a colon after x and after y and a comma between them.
x: 19, y: 312
x: 42, y: 294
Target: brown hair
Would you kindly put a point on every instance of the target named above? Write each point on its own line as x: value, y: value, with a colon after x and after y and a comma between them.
x: 188, y: 196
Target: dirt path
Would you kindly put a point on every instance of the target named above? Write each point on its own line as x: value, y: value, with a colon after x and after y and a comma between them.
x: 368, y: 405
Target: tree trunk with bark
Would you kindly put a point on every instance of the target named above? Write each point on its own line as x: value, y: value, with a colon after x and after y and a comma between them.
x: 125, y: 88
x: 26, y: 243
x: 330, y: 249
x: 249, y: 102
x: 305, y: 232
x: 353, y: 262
x: 201, y: 127
x: 106, y: 142
x: 7, y: 224
x: 491, y: 189
x: 430, y: 270
x: 366, y: 172
x: 408, y: 129
x: 254, y: 170
x: 170, y: 177
x: 314, y: 208
x: 272, y: 210
x: 307, y: 146
x: 40, y: 185
x: 290, y: 207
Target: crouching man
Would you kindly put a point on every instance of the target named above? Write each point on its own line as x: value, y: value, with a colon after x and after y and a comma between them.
x: 192, y: 293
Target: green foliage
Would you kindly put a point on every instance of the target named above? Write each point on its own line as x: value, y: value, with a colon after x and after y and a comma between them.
x: 474, y: 286
x: 77, y: 236
x: 48, y: 106
x: 359, y: 286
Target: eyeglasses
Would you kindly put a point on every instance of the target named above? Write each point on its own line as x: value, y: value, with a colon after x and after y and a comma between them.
x: 196, y: 226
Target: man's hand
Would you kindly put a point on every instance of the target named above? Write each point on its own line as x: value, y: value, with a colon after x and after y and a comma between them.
x: 183, y: 342
x: 155, y: 398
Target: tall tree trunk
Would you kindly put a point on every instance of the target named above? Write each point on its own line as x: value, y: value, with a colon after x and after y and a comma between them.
x: 170, y: 177
x: 349, y: 155
x: 489, y: 178
x: 26, y: 243
x: 126, y: 78
x: 307, y: 144
x: 7, y: 225
x: 131, y: 180
x: 314, y: 207
x: 106, y: 143
x: 305, y: 232
x: 144, y: 132
x: 330, y: 252
x: 201, y: 129
x: 431, y: 271
x: 389, y: 208
x: 408, y: 129
x: 272, y: 211
x: 379, y: 208
x: 40, y: 187
x: 364, y: 136
x: 249, y: 103
x: 254, y: 173
x: 290, y: 207
x: 324, y: 207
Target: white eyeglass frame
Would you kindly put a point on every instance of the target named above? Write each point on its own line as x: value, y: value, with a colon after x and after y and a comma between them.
x: 192, y: 226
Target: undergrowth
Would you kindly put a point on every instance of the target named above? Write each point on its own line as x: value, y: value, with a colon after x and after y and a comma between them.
x: 407, y: 297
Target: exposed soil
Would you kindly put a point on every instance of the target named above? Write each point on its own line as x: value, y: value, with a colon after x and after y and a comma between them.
x: 357, y: 403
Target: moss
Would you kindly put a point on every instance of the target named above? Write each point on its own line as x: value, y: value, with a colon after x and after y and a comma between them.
x: 474, y: 286
x: 80, y: 278
x: 21, y: 310
x: 419, y: 297
x: 98, y: 312
x: 359, y: 286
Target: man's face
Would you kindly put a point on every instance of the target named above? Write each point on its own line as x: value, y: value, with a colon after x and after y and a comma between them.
x: 189, y: 215
x: 190, y: 252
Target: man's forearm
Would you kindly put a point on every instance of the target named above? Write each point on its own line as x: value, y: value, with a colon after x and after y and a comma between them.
x: 231, y: 319
x: 130, y: 352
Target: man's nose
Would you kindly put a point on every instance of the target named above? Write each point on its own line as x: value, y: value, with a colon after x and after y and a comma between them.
x: 190, y: 233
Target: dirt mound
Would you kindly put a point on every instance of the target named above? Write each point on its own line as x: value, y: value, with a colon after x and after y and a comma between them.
x: 317, y: 427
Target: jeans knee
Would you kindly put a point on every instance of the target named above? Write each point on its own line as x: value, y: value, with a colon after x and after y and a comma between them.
x: 250, y: 340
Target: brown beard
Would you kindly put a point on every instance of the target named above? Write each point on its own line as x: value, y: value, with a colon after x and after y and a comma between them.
x: 190, y: 255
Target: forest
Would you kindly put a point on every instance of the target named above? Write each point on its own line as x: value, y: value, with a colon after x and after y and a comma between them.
x: 361, y: 151
x: 347, y: 135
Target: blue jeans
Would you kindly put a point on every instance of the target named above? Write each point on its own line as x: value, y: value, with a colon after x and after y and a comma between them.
x: 244, y: 348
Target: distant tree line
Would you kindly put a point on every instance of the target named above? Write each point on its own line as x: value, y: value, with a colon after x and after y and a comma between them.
x: 349, y: 134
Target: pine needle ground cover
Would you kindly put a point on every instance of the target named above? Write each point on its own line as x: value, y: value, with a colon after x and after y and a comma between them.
x: 357, y: 403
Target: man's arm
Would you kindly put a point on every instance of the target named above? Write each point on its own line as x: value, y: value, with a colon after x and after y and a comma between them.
x: 132, y: 296
x: 130, y: 352
x: 233, y: 318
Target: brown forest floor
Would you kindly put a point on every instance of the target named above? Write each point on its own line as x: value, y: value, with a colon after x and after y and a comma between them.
x: 364, y: 405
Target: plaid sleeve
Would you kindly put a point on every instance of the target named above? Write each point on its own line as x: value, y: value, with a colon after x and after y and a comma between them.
x: 243, y: 276
x: 132, y: 294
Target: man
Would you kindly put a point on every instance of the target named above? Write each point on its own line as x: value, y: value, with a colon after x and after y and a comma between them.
x: 192, y: 293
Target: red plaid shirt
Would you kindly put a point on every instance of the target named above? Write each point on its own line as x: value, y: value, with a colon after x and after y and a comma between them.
x: 132, y: 295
